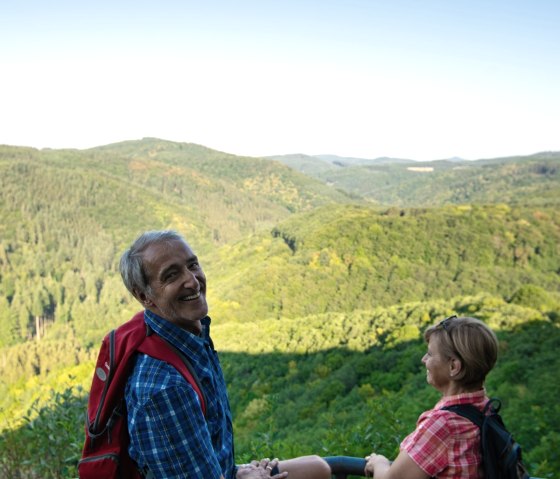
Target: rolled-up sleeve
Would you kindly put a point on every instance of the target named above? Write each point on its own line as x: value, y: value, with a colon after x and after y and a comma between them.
x: 428, y: 444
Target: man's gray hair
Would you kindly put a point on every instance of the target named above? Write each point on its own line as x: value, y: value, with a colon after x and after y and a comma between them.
x: 131, y: 265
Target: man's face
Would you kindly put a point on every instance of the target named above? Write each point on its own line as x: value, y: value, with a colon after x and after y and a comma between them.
x: 177, y: 284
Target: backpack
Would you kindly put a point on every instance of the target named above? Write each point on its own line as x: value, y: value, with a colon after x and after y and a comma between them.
x: 501, y: 455
x: 105, y: 452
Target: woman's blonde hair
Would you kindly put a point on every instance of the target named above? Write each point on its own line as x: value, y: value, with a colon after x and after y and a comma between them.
x: 469, y: 340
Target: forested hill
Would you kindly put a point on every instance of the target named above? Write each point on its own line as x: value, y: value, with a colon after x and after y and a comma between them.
x: 531, y: 179
x: 321, y: 284
x: 356, y: 257
x: 128, y: 186
x: 65, y: 215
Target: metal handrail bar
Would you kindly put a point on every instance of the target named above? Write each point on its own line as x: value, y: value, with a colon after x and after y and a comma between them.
x: 344, y: 466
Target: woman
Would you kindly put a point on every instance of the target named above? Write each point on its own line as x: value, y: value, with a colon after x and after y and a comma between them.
x: 461, y: 352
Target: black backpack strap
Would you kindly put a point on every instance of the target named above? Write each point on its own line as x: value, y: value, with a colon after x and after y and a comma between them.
x: 468, y: 411
x: 475, y: 415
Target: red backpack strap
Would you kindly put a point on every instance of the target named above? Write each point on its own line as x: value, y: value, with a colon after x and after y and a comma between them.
x: 111, y: 371
x: 158, y: 348
x: 105, y: 452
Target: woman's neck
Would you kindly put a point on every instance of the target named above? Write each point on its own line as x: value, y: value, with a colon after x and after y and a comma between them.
x: 455, y: 388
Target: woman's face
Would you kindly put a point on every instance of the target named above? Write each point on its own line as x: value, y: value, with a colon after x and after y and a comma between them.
x: 438, y: 366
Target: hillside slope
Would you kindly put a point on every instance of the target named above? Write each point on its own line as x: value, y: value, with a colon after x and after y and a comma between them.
x: 66, y: 216
x: 355, y: 257
x: 224, y: 196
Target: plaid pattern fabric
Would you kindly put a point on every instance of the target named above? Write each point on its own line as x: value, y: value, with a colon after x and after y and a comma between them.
x: 170, y: 437
x: 446, y: 445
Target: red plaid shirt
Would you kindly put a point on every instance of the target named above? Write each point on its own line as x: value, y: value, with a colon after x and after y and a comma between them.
x: 446, y: 445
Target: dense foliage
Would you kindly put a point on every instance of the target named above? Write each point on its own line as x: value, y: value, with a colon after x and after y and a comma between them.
x: 336, y: 383
x: 356, y: 380
x: 354, y: 257
x: 66, y: 215
x: 319, y: 299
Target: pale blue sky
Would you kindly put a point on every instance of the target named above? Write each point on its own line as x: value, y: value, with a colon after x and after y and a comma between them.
x: 415, y: 79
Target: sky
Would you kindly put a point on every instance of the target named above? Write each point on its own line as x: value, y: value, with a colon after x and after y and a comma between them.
x: 416, y: 79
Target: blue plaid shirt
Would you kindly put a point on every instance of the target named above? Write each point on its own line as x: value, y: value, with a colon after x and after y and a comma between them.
x: 169, y: 435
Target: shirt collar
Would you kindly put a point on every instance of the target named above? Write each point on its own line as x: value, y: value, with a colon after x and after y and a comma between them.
x: 179, y: 337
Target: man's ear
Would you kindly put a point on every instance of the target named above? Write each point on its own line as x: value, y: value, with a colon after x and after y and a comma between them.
x: 143, y: 298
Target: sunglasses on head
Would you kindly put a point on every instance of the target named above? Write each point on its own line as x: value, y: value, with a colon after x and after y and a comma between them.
x: 445, y: 326
x: 444, y: 323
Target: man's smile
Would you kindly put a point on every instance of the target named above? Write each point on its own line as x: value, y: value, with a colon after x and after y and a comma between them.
x: 191, y: 297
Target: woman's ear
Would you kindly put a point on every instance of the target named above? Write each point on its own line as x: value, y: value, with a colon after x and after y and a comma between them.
x: 455, y: 366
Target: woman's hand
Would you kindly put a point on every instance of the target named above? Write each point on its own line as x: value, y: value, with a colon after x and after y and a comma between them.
x: 403, y: 467
x: 376, y: 461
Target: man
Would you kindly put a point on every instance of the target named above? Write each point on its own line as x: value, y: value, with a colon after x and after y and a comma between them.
x: 169, y: 435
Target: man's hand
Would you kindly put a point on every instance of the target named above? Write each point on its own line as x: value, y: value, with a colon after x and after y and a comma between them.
x: 260, y: 470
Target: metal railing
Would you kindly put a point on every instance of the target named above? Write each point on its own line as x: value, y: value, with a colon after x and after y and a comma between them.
x: 344, y: 466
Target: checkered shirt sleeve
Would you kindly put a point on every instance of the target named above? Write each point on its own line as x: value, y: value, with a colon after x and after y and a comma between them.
x: 445, y: 445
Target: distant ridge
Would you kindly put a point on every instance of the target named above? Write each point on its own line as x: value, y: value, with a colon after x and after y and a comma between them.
x: 302, y: 162
x: 284, y: 184
x: 348, y: 160
x: 403, y: 182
